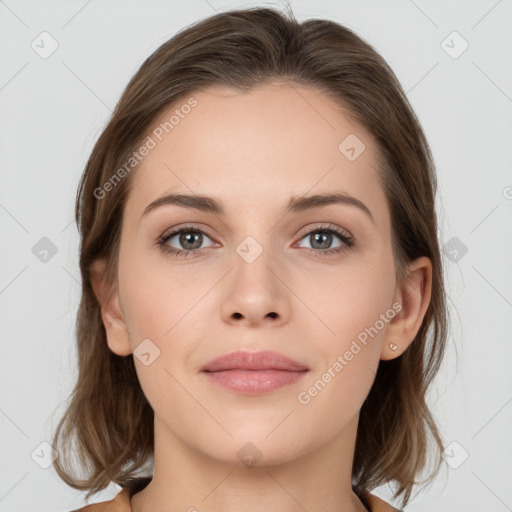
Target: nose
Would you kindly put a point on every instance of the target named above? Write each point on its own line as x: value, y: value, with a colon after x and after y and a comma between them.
x: 255, y: 294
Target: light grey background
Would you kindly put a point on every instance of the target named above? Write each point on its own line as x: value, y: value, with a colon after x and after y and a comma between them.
x: 53, y: 110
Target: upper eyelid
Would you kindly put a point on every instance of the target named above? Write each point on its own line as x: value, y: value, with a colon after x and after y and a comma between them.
x: 175, y: 231
x: 327, y: 226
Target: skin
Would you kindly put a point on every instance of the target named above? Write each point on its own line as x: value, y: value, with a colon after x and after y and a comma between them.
x: 253, y: 151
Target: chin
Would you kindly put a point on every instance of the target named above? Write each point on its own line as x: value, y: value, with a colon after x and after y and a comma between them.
x: 252, y: 449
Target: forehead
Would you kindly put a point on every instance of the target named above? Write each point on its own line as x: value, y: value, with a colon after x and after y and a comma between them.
x: 254, y: 148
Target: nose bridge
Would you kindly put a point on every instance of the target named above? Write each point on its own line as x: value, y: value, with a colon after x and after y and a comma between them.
x: 258, y: 244
x: 254, y: 260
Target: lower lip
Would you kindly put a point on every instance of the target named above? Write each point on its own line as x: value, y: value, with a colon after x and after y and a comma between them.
x: 254, y: 382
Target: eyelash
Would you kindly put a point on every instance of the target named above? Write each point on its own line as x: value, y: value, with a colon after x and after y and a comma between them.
x: 347, y: 240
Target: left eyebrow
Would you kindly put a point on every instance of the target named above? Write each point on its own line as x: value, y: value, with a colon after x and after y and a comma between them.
x: 294, y: 205
x: 303, y: 203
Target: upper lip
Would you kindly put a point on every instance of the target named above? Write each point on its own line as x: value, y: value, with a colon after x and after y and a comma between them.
x: 243, y: 360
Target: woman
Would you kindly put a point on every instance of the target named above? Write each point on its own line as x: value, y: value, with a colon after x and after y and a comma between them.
x: 262, y: 307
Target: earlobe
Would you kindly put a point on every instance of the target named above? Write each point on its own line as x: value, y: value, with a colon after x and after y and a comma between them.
x: 414, y: 298
x: 107, y: 296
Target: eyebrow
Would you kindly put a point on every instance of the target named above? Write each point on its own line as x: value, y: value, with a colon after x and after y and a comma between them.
x: 295, y: 204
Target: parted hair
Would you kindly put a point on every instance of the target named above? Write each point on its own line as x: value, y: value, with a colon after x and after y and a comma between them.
x: 106, y: 432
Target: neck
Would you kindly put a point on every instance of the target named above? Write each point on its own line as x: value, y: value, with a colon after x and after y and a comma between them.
x: 186, y: 478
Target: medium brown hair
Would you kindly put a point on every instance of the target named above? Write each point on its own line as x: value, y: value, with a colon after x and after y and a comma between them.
x: 107, y: 429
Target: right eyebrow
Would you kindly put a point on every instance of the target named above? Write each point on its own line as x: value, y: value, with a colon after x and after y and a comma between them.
x: 197, y: 202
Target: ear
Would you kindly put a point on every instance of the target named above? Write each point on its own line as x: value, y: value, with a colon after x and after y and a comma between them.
x: 414, y: 298
x: 107, y: 295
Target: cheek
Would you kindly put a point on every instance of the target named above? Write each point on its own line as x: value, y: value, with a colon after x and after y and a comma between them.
x: 156, y: 297
x: 158, y: 305
x: 355, y: 298
x: 358, y: 300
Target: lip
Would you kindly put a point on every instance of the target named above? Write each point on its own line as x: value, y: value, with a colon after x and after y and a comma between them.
x: 243, y: 360
x: 254, y: 373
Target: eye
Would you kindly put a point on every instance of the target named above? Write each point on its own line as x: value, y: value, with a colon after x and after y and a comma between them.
x: 190, y: 239
x: 321, y: 240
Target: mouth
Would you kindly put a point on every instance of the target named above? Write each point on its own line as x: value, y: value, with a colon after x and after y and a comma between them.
x: 254, y: 373
x: 254, y: 382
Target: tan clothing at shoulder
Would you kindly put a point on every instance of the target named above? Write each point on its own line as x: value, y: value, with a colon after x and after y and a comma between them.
x: 378, y: 505
x: 121, y: 503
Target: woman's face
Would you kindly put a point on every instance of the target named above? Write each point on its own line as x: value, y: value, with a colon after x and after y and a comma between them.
x: 255, y: 276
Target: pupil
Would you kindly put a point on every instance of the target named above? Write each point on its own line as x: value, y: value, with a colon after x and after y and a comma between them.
x: 322, y: 238
x: 190, y: 237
